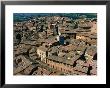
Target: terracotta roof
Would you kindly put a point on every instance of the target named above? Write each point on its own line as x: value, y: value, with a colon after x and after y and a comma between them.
x: 23, y: 64
x: 64, y: 59
x: 22, y: 48
x: 85, y: 24
x: 64, y: 31
x: 91, y: 50
x: 51, y: 40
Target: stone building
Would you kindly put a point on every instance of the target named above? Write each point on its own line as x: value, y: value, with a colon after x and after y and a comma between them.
x: 42, y: 51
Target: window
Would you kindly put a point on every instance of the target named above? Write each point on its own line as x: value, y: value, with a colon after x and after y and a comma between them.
x: 61, y: 69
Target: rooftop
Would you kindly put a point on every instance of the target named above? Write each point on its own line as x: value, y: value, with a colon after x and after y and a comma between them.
x: 42, y: 48
x: 64, y: 59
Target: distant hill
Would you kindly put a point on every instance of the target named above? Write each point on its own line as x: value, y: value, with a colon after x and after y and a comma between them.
x: 18, y: 17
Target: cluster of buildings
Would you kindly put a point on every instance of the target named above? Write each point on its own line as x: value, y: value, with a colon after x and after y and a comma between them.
x: 55, y: 46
